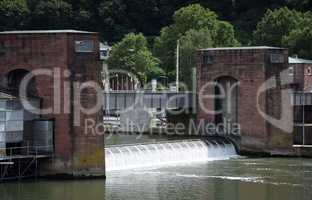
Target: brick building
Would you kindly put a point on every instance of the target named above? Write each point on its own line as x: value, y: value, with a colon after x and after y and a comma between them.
x: 301, y: 70
x: 243, y: 71
x: 69, y: 57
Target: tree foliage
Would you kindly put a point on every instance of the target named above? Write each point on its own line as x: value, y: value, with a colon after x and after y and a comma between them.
x: 299, y: 39
x: 190, y: 42
x: 286, y: 28
x: 50, y: 14
x: 265, y: 22
x: 13, y: 14
x: 299, y: 42
x: 115, y: 18
x: 132, y: 54
x: 275, y: 25
x: 303, y: 5
x: 196, y: 18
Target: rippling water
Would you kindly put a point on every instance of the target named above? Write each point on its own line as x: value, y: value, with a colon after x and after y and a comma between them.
x: 241, y: 179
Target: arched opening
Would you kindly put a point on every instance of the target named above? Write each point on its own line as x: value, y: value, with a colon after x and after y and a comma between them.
x: 14, y: 79
x: 226, y: 103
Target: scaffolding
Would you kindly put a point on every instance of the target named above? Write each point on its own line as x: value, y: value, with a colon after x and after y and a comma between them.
x: 25, y: 139
x: 22, y: 162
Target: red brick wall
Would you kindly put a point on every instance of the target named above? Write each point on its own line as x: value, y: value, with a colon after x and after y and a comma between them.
x: 251, y: 67
x: 303, y: 76
x: 56, y: 50
x: 308, y: 77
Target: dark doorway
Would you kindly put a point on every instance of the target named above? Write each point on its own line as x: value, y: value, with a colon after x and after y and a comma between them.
x: 226, y: 104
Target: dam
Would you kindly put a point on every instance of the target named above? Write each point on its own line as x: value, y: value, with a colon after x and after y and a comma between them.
x: 168, y: 153
x: 71, y: 152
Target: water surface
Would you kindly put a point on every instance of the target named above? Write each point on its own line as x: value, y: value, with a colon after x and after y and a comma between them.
x: 240, y: 179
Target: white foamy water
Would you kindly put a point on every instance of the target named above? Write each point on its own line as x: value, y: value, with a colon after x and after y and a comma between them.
x: 166, y: 153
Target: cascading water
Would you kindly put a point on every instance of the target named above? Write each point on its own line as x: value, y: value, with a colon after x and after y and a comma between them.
x: 169, y: 153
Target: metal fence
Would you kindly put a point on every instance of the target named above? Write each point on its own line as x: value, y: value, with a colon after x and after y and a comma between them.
x: 11, y: 153
x: 22, y: 162
x: 122, y: 100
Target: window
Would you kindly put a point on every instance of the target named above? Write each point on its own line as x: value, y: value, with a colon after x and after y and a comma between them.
x: 84, y: 46
x: 309, y: 71
x: 291, y: 71
x: 2, y: 49
x: 277, y: 58
x: 208, y: 60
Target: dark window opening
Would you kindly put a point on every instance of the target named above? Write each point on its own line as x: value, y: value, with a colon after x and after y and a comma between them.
x: 14, y: 81
x: 226, y: 105
x: 208, y: 59
x: 2, y: 49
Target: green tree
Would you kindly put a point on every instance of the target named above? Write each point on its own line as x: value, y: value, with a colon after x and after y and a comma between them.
x: 300, y: 4
x: 299, y: 40
x: 190, y: 42
x: 132, y: 54
x: 50, y: 14
x: 193, y: 17
x: 275, y: 25
x: 13, y: 14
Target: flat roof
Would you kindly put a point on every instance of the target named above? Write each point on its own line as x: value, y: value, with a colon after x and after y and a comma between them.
x: 45, y: 31
x: 299, y: 61
x: 240, y: 48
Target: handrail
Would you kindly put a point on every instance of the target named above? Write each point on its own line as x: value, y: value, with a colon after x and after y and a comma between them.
x: 28, y: 150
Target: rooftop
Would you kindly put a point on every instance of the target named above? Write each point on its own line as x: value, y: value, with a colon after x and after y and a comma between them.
x: 299, y: 61
x: 104, y: 46
x: 44, y: 31
x: 240, y: 48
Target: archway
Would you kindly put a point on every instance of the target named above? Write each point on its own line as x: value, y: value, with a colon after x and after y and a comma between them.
x: 13, y: 81
x: 226, y: 103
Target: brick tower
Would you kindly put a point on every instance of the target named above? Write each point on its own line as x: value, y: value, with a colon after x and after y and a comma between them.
x: 67, y: 58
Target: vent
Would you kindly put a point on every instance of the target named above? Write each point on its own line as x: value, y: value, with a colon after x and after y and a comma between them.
x: 84, y: 46
x: 277, y: 58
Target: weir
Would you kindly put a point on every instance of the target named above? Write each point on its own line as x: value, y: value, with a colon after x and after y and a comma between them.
x: 167, y: 153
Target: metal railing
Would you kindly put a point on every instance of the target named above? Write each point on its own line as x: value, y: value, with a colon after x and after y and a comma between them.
x: 122, y: 100
x: 25, y: 151
x: 17, y: 163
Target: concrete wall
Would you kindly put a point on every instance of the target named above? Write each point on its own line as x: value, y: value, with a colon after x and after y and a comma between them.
x: 75, y: 152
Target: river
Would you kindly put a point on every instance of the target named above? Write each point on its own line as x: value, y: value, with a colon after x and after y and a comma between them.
x: 236, y: 179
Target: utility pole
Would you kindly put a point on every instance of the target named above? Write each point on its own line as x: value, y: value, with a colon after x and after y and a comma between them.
x: 177, y: 67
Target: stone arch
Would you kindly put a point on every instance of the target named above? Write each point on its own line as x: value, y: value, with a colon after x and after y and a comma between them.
x: 12, y: 81
x: 226, y: 103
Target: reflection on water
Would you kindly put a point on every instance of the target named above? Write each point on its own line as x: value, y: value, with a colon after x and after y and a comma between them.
x: 53, y: 190
x: 243, y: 179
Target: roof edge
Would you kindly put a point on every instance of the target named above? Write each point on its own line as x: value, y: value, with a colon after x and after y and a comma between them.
x: 69, y: 31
